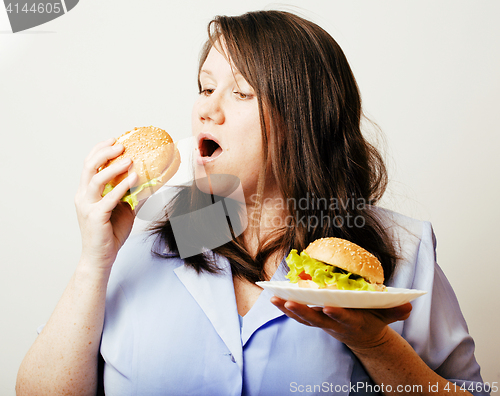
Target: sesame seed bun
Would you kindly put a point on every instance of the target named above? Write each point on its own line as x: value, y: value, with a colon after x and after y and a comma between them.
x: 348, y: 256
x: 154, y: 155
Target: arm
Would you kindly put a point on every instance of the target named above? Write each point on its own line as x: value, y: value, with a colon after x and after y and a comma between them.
x: 386, y: 356
x: 435, y: 340
x: 395, y: 362
x: 63, y: 359
x: 64, y: 355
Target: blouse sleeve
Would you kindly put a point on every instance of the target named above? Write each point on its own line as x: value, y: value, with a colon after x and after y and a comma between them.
x: 436, y: 328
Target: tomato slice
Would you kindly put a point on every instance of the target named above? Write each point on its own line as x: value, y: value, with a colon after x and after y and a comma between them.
x: 305, y: 276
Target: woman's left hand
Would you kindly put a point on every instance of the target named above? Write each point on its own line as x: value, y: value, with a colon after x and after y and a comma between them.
x: 359, y: 329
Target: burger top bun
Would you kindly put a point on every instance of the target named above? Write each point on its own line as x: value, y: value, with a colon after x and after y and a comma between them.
x: 154, y: 155
x: 348, y: 256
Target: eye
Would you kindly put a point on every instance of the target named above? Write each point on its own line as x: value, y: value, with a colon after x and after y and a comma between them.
x: 207, y: 91
x: 241, y: 95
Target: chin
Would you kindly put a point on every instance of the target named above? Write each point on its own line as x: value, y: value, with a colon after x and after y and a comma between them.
x: 220, y: 184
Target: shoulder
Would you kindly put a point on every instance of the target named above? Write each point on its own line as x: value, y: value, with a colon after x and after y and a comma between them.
x: 436, y: 318
x: 415, y: 245
x: 142, y: 253
x: 401, y: 227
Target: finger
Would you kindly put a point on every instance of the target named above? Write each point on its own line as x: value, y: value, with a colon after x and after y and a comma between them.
x: 277, y: 301
x: 281, y: 305
x: 340, y: 315
x: 312, y: 316
x: 390, y: 315
x: 386, y: 315
x: 99, y: 180
x: 100, y: 145
x: 96, y: 159
x: 112, y: 198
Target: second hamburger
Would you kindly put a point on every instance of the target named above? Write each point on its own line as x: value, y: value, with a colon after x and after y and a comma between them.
x: 334, y: 263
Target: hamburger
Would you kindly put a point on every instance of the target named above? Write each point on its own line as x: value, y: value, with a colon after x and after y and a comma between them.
x: 155, y: 159
x: 334, y: 263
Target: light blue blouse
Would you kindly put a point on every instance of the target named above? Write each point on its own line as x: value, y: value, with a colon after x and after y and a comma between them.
x: 171, y: 331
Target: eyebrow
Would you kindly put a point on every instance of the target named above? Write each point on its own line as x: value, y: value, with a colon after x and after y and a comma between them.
x: 236, y: 73
x: 206, y: 71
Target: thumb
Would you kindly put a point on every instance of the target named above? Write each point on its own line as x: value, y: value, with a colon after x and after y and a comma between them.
x: 395, y: 314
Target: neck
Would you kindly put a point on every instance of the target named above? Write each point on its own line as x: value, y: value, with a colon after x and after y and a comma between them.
x: 265, y: 217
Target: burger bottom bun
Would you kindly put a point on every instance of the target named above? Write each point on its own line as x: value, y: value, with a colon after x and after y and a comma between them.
x: 163, y: 178
x: 309, y: 284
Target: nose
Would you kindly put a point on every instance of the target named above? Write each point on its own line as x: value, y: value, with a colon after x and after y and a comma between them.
x: 210, y: 108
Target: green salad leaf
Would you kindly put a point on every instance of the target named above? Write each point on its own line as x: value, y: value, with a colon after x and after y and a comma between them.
x: 131, y: 196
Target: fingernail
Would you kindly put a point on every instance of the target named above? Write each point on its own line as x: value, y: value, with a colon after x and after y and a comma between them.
x: 125, y: 161
x: 118, y: 146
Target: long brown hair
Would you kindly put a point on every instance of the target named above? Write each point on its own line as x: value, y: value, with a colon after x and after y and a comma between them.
x: 312, y: 142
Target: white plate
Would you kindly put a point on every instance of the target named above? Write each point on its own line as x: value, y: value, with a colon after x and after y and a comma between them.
x: 393, y: 297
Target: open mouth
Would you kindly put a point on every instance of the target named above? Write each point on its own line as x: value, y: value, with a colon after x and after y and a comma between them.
x: 209, y: 148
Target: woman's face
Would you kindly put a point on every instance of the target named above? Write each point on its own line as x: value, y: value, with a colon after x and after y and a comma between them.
x: 226, y: 126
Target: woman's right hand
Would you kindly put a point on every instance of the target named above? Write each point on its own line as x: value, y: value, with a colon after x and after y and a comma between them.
x: 105, y: 222
x: 70, y: 339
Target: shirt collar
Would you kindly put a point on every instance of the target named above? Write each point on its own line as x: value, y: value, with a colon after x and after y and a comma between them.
x: 214, y: 293
x: 263, y: 311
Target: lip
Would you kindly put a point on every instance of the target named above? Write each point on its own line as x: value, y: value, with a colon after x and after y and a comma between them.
x: 204, y: 160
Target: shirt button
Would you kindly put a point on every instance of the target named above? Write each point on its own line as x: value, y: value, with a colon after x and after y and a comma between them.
x: 232, y: 358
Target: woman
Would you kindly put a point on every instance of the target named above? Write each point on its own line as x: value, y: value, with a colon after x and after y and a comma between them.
x: 280, y: 110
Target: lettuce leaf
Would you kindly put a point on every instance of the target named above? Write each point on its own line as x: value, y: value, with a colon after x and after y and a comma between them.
x: 323, y: 274
x: 131, y: 196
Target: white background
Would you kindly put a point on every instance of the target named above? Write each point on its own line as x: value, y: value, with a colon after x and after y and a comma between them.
x: 429, y: 76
